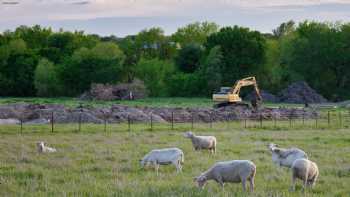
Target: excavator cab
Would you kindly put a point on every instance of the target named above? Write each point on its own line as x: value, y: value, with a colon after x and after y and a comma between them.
x: 230, y: 95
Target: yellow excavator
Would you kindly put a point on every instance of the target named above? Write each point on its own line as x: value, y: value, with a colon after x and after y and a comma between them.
x: 230, y: 95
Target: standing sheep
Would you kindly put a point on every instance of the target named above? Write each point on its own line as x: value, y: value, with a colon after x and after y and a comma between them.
x: 286, y: 157
x: 234, y: 171
x: 305, y: 170
x: 42, y: 148
x: 202, y: 142
x: 164, y: 156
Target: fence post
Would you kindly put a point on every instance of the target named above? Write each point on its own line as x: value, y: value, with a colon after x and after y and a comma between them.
x: 290, y: 120
x: 274, y: 121
x: 129, y: 121
x: 316, y: 120
x: 172, y: 120
x: 340, y: 119
x: 245, y: 122
x: 105, y: 123
x: 211, y: 120
x: 192, y: 120
x: 261, y: 119
x: 52, y: 121
x: 151, y: 122
x: 304, y: 117
x: 21, y: 123
x: 79, y: 121
x: 328, y: 118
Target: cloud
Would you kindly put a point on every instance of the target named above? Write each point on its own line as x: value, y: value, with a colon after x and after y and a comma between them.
x: 258, y: 14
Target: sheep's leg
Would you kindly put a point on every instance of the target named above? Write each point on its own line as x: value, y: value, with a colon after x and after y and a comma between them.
x: 156, y: 167
x: 292, y: 188
x: 244, y: 184
x: 305, y: 183
x: 220, y: 181
x: 251, y: 181
x: 178, y: 166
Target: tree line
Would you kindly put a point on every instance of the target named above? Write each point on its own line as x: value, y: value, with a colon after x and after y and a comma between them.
x: 194, y: 61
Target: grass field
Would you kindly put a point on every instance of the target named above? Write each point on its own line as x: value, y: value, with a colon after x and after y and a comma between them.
x: 97, y: 163
x: 150, y: 102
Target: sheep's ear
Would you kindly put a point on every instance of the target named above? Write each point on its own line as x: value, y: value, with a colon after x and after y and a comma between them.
x: 195, y: 178
x: 277, y: 151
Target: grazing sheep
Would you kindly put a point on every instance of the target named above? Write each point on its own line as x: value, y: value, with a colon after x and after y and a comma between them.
x: 286, y: 157
x: 42, y: 148
x: 165, y: 156
x: 202, y: 142
x: 234, y: 171
x: 305, y: 170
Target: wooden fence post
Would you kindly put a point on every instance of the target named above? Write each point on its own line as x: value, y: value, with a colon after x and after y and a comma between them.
x: 21, y: 123
x: 52, y: 121
x: 151, y: 122
x: 129, y: 122
x: 211, y: 120
x: 172, y: 120
x: 328, y: 118
x: 79, y: 122
x: 192, y: 120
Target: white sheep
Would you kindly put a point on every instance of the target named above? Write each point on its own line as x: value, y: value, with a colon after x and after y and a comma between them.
x: 202, y: 142
x: 164, y: 156
x: 42, y: 148
x: 305, y: 170
x: 286, y: 157
x: 234, y: 171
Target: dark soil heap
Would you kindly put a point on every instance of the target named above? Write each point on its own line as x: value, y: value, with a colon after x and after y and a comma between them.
x: 300, y: 92
x: 123, y: 91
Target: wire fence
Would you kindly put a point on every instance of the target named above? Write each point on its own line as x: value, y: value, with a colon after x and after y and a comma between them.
x: 322, y: 120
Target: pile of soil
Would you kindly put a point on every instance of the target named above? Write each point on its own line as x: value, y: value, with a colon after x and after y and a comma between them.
x: 41, y: 114
x: 123, y: 91
x: 266, y: 96
x: 300, y: 92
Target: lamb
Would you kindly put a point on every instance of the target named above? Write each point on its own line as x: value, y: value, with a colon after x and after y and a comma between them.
x: 202, y: 142
x: 305, y: 170
x: 286, y: 157
x: 42, y: 148
x: 234, y: 171
x: 165, y: 156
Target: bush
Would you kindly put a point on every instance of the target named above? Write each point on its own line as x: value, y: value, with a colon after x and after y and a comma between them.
x: 46, y: 79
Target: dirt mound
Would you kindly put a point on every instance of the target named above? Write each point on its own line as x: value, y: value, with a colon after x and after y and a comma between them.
x: 300, y: 92
x: 266, y: 96
x: 42, y: 114
x: 123, y: 91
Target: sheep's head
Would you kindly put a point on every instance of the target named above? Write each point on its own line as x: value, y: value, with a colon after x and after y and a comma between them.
x: 272, y: 146
x: 201, y: 181
x: 142, y: 163
x: 188, y: 134
x: 40, y: 146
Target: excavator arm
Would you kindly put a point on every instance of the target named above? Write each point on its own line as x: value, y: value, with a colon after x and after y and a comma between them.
x: 233, y: 95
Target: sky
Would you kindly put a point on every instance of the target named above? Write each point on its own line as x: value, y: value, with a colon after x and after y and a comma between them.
x: 125, y: 17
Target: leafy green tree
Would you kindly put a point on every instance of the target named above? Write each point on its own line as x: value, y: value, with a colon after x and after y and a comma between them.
x: 35, y: 37
x: 284, y: 29
x: 101, y: 64
x: 46, y: 79
x: 152, y: 43
x: 154, y: 72
x: 189, y: 57
x: 17, y: 65
x: 210, y: 71
x: 318, y: 53
x: 243, y: 51
x: 194, y: 33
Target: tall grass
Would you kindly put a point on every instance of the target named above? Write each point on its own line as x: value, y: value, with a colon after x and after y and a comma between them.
x: 97, y: 163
